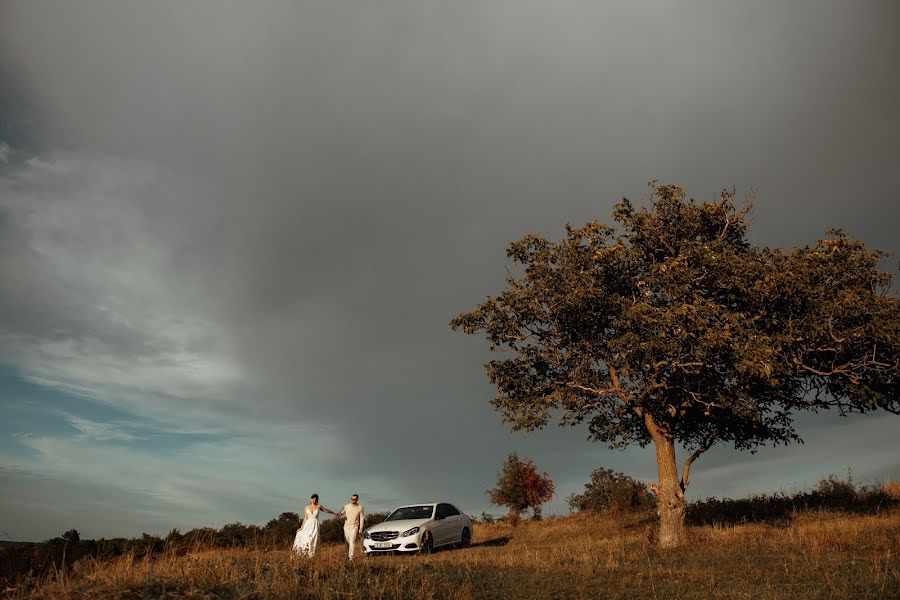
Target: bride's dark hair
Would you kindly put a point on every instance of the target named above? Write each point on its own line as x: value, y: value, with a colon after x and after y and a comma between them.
x: 316, y: 496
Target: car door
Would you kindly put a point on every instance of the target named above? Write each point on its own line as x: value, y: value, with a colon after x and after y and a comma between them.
x: 442, y: 528
x: 455, y: 524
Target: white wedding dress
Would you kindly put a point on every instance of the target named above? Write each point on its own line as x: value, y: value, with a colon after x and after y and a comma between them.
x: 307, y: 539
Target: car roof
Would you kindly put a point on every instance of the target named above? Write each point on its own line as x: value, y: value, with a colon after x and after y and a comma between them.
x: 425, y: 504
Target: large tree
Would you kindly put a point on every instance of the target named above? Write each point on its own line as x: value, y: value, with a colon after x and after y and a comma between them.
x: 675, y: 329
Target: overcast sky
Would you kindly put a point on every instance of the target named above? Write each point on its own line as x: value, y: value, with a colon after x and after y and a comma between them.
x: 232, y: 234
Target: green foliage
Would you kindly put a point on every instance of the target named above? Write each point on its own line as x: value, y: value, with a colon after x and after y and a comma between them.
x: 611, y: 491
x: 520, y: 486
x: 675, y: 328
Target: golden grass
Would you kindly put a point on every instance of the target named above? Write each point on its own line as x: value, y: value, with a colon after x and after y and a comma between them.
x: 819, y: 555
x: 892, y: 489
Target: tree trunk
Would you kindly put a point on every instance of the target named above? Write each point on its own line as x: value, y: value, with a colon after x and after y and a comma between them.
x: 514, y: 516
x: 669, y: 493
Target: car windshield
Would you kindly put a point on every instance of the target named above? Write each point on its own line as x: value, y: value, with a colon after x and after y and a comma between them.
x: 411, y: 512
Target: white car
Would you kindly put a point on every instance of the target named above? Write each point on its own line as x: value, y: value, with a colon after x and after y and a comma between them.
x: 419, y: 528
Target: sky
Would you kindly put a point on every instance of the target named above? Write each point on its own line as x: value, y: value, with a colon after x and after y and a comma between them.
x: 232, y: 234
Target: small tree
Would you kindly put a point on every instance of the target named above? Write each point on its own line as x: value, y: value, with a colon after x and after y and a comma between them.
x: 677, y: 330
x: 609, y: 490
x: 520, y: 487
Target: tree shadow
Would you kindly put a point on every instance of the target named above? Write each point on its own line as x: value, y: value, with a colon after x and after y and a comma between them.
x: 642, y: 523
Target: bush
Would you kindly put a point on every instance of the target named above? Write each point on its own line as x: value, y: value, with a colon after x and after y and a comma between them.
x: 486, y: 518
x: 72, y: 536
x: 280, y: 532
x: 831, y: 493
x: 837, y: 492
x: 332, y: 530
x: 611, y: 491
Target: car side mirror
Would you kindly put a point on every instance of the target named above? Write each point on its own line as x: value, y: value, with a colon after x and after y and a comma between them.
x: 439, y: 517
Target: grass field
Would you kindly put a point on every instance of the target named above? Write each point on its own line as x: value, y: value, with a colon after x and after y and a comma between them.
x: 816, y: 555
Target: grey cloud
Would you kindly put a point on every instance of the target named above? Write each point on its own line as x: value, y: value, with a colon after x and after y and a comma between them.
x: 327, y: 186
x: 32, y: 510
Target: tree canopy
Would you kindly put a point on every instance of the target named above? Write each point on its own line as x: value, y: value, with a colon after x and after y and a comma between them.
x: 673, y: 327
x: 520, y: 486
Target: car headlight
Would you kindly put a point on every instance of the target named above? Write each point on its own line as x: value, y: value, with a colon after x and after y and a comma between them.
x: 366, y: 535
x: 410, y: 532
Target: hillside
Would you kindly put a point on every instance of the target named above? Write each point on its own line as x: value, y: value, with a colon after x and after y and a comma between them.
x: 814, y: 555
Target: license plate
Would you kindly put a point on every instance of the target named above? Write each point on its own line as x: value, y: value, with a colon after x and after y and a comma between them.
x: 382, y: 545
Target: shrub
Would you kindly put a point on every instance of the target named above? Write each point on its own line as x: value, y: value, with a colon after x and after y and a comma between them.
x: 830, y: 493
x: 835, y: 491
x: 332, y: 530
x: 611, y: 491
x: 72, y: 536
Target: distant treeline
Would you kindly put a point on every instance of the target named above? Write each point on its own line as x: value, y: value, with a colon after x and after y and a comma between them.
x: 831, y: 493
x: 18, y: 559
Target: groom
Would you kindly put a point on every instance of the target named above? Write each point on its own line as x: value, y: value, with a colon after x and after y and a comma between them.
x: 353, y: 527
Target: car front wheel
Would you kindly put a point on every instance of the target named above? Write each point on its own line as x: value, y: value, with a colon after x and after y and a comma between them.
x: 427, y: 544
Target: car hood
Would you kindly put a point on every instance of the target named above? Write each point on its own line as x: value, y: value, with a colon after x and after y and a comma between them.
x: 401, y: 525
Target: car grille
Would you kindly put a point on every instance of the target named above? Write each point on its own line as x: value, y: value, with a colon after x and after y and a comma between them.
x: 383, y: 536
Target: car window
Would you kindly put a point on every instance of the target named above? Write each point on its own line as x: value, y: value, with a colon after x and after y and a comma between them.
x: 445, y: 510
x: 411, y: 512
x: 451, y: 512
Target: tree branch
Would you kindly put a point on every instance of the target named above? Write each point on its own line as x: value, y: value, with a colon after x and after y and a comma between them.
x: 675, y: 365
x: 649, y: 390
x: 686, y: 471
x: 584, y: 388
x: 613, y: 375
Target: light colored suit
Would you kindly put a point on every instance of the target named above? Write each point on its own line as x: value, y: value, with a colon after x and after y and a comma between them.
x: 353, y: 526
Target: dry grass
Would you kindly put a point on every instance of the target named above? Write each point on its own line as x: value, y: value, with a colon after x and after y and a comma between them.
x: 819, y: 555
x: 892, y: 489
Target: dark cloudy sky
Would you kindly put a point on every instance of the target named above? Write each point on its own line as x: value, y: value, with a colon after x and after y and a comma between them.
x: 232, y: 234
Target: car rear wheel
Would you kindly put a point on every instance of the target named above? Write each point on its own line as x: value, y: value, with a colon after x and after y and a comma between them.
x: 466, y: 538
x: 427, y: 544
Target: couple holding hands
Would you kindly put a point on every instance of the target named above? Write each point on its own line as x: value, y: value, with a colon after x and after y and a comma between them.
x: 307, y: 539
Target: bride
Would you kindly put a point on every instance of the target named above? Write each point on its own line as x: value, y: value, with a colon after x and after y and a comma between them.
x: 307, y: 539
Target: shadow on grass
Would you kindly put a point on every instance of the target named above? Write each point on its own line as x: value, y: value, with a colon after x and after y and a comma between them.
x: 641, y: 522
x: 493, y: 543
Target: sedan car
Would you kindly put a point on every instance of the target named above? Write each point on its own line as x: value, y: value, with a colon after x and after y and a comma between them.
x: 419, y: 528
